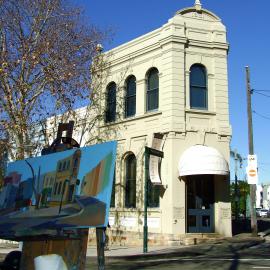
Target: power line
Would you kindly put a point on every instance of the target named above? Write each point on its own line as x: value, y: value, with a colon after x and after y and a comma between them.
x: 261, y: 115
x: 261, y: 94
x: 260, y: 90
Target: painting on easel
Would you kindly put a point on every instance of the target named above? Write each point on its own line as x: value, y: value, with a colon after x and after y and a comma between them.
x: 49, y: 194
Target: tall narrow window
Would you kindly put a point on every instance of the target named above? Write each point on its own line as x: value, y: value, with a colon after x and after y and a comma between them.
x: 110, y: 114
x: 152, y: 90
x: 113, y: 192
x: 198, y: 87
x: 130, y: 99
x: 130, y: 195
x: 153, y: 195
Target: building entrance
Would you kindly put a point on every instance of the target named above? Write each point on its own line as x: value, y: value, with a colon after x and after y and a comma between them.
x: 200, y: 203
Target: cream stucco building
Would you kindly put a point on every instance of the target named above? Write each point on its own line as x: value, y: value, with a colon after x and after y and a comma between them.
x: 173, y: 81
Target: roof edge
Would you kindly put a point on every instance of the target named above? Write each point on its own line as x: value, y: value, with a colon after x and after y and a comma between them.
x: 193, y: 9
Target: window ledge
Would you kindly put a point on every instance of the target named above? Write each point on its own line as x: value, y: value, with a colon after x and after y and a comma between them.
x: 135, y: 210
x: 132, y: 118
x: 200, y: 111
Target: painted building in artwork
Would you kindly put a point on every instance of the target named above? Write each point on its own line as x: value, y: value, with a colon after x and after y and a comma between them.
x: 9, y: 190
x: 64, y: 183
x: 47, y: 188
x: 172, y: 81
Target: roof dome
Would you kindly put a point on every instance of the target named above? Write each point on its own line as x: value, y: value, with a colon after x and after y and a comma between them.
x: 200, y: 159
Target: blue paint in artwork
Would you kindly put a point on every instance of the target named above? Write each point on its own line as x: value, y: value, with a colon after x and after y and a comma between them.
x: 80, y: 180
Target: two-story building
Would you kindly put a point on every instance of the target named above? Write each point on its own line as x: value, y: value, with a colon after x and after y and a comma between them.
x: 173, y: 81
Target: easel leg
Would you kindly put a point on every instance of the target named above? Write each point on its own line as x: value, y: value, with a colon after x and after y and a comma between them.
x: 100, y: 236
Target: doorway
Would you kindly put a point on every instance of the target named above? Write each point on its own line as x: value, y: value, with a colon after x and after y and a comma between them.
x: 200, y: 203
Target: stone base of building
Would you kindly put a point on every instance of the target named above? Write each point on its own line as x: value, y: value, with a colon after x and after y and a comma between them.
x: 129, y: 238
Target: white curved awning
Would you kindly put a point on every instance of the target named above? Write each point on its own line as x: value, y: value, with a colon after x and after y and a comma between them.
x: 200, y: 159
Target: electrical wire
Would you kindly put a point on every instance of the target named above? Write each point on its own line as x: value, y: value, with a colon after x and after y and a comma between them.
x: 260, y: 90
x: 261, y: 115
x: 258, y: 93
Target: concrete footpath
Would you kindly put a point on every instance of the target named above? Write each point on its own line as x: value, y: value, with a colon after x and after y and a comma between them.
x: 122, y: 251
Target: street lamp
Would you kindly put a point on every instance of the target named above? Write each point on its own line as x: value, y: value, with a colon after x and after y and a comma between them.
x: 154, y: 152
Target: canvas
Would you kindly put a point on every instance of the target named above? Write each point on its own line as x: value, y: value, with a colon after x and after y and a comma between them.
x: 49, y: 194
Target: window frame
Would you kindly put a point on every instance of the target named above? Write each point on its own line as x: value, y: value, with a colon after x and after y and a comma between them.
x: 152, y: 72
x: 130, y: 183
x: 110, y: 111
x: 129, y: 96
x: 202, y: 88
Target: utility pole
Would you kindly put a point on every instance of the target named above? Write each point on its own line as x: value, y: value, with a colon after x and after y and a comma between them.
x: 253, y: 218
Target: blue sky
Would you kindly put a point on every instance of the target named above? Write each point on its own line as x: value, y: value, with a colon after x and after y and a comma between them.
x: 247, y: 23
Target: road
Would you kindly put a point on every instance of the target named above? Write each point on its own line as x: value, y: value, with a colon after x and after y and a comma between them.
x: 224, y: 255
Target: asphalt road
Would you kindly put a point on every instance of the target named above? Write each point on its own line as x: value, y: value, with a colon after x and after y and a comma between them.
x: 224, y: 255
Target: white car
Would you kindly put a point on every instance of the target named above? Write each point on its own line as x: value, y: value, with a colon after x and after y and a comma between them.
x: 261, y: 212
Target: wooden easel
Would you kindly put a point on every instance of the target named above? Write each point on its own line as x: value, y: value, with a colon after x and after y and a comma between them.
x: 73, y: 251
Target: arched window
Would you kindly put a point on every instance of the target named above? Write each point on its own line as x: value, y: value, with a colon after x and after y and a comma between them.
x: 198, y: 87
x: 110, y: 114
x: 152, y: 90
x: 130, y: 195
x: 130, y: 98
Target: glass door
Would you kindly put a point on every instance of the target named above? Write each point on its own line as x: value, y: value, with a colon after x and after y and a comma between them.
x: 200, y: 204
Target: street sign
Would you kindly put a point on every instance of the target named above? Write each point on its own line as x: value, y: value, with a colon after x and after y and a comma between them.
x: 252, y: 170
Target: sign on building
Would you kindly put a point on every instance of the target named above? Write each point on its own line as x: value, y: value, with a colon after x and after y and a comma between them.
x: 252, y: 170
x: 154, y: 162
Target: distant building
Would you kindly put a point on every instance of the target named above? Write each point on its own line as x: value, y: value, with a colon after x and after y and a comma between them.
x: 259, y: 196
x: 266, y: 196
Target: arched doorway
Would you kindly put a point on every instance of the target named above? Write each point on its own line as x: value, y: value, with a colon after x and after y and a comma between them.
x: 198, y: 166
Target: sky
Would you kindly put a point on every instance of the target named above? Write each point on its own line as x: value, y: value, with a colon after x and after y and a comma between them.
x: 248, y: 34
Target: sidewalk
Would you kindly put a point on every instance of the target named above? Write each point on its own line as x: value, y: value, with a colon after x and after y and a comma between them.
x: 242, y: 240
x: 120, y: 251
